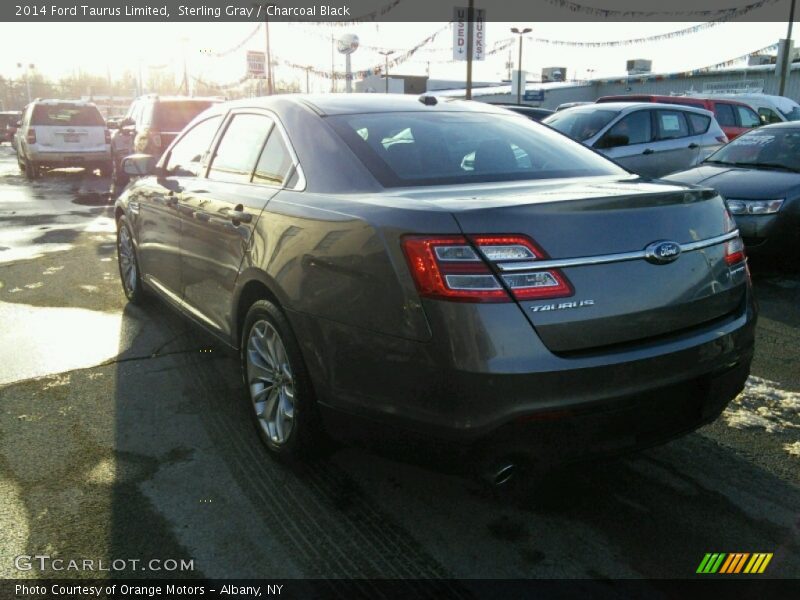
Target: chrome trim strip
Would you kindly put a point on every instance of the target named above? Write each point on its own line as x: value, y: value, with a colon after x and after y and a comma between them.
x: 560, y: 263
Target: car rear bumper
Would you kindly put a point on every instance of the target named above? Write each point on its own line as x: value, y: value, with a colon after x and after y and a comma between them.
x: 72, y: 158
x: 524, y: 397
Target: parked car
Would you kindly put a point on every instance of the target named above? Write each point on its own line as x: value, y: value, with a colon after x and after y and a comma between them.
x: 8, y: 124
x: 649, y: 139
x: 62, y: 133
x: 150, y: 125
x: 734, y: 117
x: 534, y: 113
x: 537, y: 299
x: 771, y: 109
x: 759, y: 175
x: 566, y: 105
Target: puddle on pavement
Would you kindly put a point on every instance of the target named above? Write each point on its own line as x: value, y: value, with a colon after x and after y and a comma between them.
x: 76, y: 338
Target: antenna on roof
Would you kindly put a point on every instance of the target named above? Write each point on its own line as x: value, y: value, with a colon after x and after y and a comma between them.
x: 428, y: 100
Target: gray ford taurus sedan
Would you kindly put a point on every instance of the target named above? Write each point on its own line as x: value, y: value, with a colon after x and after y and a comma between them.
x: 442, y: 267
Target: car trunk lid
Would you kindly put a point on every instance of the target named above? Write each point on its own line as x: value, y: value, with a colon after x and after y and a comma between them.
x: 597, y: 234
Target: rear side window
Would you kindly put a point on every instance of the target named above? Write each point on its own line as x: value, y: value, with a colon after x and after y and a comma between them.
x: 188, y: 155
x: 174, y: 116
x: 239, y: 148
x: 747, y: 117
x: 71, y: 115
x: 581, y: 124
x: 770, y: 116
x: 700, y: 123
x: 275, y: 161
x: 671, y: 124
x: 724, y: 114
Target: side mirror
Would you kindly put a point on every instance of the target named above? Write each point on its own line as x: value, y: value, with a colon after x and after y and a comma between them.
x: 112, y: 124
x: 139, y: 165
x: 613, y: 141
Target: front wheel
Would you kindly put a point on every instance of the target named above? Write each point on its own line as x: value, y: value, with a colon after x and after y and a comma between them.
x: 281, y: 396
x: 128, y: 263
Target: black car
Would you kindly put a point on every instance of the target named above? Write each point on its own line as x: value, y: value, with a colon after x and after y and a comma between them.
x: 532, y: 112
x: 150, y: 125
x: 443, y: 267
x: 758, y: 173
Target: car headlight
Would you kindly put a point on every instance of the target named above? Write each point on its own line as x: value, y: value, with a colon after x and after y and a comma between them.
x: 754, y: 207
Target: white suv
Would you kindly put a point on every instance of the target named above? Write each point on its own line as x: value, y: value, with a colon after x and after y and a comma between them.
x: 62, y: 133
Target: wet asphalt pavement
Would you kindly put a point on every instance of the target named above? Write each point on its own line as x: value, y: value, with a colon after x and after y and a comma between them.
x: 124, y: 434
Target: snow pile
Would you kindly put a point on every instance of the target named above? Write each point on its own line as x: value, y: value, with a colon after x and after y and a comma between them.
x: 764, y: 404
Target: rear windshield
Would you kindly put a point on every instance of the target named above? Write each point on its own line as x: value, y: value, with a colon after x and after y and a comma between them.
x: 580, y: 124
x: 174, y: 116
x: 66, y: 114
x: 404, y: 149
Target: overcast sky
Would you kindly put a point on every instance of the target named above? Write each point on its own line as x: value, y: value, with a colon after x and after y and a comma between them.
x: 57, y: 48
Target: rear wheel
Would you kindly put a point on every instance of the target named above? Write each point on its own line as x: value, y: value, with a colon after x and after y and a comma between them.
x: 281, y: 396
x: 32, y: 170
x: 128, y: 264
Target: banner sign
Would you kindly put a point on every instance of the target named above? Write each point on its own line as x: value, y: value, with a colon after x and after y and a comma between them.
x: 460, y: 16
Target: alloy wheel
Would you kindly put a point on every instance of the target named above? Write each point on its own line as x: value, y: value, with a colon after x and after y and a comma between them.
x: 270, y: 381
x: 127, y: 260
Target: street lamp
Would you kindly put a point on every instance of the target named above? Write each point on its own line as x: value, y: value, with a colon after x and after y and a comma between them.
x: 26, y: 70
x: 520, y: 33
x: 386, y: 54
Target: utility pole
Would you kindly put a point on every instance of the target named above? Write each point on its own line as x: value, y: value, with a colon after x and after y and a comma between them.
x: 470, y: 19
x: 520, y: 33
x: 270, y: 87
x: 386, y: 54
x: 787, y: 60
x: 333, y: 63
x: 308, y: 72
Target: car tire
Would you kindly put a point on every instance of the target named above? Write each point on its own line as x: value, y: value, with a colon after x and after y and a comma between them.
x: 281, y: 401
x: 32, y: 170
x: 129, y: 273
x: 118, y: 177
x: 20, y: 164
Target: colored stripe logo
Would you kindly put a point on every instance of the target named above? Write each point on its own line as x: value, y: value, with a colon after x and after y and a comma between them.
x: 735, y: 562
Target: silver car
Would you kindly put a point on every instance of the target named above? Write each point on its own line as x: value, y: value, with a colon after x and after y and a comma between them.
x: 647, y: 138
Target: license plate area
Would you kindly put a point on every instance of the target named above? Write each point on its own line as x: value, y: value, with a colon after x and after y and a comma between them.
x: 72, y: 137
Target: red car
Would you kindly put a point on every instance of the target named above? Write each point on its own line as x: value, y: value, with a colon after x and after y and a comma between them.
x: 733, y: 116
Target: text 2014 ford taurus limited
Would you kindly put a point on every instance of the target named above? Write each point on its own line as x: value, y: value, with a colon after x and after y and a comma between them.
x: 446, y: 268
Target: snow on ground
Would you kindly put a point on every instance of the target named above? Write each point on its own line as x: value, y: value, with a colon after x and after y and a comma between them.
x: 763, y: 404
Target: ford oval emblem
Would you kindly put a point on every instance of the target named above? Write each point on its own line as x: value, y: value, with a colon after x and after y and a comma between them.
x: 663, y: 252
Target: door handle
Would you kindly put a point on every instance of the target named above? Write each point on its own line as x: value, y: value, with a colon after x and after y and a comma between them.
x: 648, y: 151
x: 692, y: 146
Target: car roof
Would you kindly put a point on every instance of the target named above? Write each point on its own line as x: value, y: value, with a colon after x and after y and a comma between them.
x: 781, y: 125
x: 343, y: 104
x: 53, y: 102
x: 631, y: 106
x: 670, y: 99
x: 157, y: 98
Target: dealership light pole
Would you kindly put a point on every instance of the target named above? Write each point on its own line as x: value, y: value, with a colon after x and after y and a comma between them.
x: 520, y: 33
x: 787, y: 60
x: 270, y: 86
x: 386, y: 54
x: 26, y: 71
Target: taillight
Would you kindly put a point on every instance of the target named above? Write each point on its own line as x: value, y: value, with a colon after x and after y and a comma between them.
x: 31, y: 137
x: 450, y: 268
x: 108, y: 136
x: 734, y: 251
x: 525, y: 285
